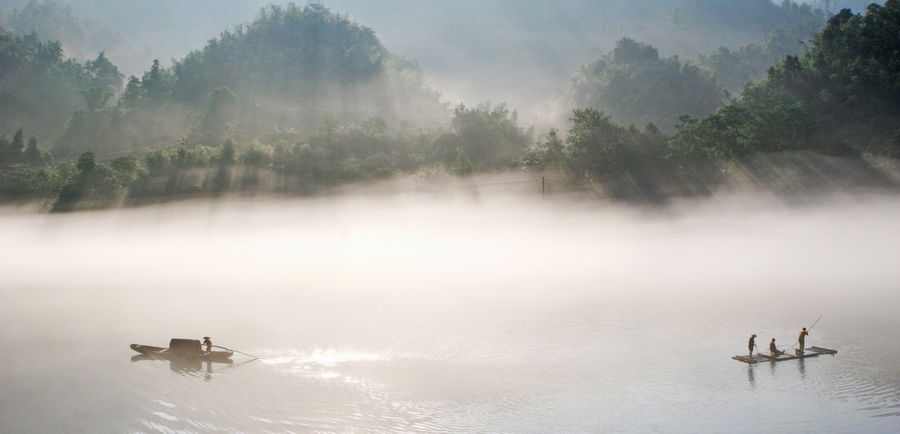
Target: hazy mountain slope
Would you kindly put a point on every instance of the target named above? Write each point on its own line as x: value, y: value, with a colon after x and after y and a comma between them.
x: 514, y: 51
x: 287, y: 70
x: 299, y: 63
x: 81, y: 38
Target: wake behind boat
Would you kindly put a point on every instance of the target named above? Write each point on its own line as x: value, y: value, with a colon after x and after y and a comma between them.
x: 182, y: 348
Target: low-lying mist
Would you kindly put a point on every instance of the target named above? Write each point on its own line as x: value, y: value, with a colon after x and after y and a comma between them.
x: 466, y: 242
x: 451, y: 308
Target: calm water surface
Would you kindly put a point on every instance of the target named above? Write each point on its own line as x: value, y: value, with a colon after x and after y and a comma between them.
x: 413, y: 313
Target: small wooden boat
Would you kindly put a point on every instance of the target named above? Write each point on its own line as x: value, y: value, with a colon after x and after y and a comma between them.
x: 808, y: 352
x: 182, y: 348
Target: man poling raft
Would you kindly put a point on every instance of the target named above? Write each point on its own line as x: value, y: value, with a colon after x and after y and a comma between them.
x: 776, y: 355
x: 802, y: 339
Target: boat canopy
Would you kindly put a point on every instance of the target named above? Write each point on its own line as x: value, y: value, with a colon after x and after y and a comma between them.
x: 185, y: 346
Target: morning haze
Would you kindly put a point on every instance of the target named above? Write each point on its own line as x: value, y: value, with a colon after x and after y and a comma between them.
x: 436, y: 216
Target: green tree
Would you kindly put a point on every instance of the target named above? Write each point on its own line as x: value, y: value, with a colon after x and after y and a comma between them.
x: 490, y: 136
x: 104, y: 74
x: 39, y: 88
x: 156, y: 85
x: 127, y: 168
x: 634, y: 85
x: 87, y: 162
x: 547, y: 154
x: 16, y: 147
x: 221, y: 115
x: 462, y: 165
x: 93, y: 184
x: 847, y: 81
x: 158, y: 162
x: 630, y: 164
x: 132, y: 95
x: 96, y: 99
x: 88, y: 129
x: 228, y: 153
x: 299, y: 63
x: 33, y: 153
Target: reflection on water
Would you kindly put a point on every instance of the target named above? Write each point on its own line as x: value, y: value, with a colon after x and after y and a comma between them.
x: 444, y: 315
x: 186, y: 365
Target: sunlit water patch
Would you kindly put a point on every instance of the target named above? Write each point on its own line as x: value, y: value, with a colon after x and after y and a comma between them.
x: 411, y: 314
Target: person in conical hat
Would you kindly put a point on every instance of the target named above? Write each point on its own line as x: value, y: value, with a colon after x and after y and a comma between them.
x: 752, y: 344
x: 208, y: 343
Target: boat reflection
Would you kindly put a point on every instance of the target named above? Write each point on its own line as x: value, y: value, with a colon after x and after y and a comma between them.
x: 192, y: 366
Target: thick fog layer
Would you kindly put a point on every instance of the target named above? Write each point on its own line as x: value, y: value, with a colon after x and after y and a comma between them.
x: 450, y: 310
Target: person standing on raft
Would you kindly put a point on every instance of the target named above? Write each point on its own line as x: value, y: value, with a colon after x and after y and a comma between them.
x: 752, y: 344
x: 802, y: 339
x: 774, y: 350
x: 208, y: 343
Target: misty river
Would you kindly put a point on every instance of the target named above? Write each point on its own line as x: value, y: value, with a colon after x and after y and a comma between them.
x: 452, y: 312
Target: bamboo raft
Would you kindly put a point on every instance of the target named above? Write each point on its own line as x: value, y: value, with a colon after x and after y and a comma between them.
x: 808, y: 352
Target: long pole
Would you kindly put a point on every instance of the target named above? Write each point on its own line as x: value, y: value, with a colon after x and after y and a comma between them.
x: 814, y: 324
x: 808, y: 329
x: 236, y: 351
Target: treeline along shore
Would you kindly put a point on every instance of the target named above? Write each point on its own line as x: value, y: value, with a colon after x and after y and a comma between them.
x: 302, y: 100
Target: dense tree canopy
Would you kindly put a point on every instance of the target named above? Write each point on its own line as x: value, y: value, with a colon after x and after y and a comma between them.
x: 301, y: 62
x: 225, y: 119
x: 55, y: 22
x: 39, y: 88
x: 734, y: 68
x: 634, y: 85
x: 290, y: 68
x: 848, y: 81
x: 489, y: 136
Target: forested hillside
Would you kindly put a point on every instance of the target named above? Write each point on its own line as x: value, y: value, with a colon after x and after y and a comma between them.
x: 298, y: 63
x: 302, y: 99
x: 839, y: 98
x: 40, y: 88
x: 288, y: 69
x: 636, y: 86
x: 53, y: 21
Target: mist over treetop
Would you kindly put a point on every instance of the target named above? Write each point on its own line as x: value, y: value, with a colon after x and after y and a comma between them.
x: 636, y: 86
x: 81, y: 37
x: 302, y: 99
x: 513, y: 51
x: 281, y: 47
x: 309, y: 59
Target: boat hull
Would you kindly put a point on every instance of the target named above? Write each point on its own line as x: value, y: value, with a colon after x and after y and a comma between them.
x: 165, y: 353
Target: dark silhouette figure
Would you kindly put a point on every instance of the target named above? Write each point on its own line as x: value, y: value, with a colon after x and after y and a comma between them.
x: 752, y: 344
x: 208, y: 343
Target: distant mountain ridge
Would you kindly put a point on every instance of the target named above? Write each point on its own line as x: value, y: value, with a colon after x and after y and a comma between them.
x: 309, y: 61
